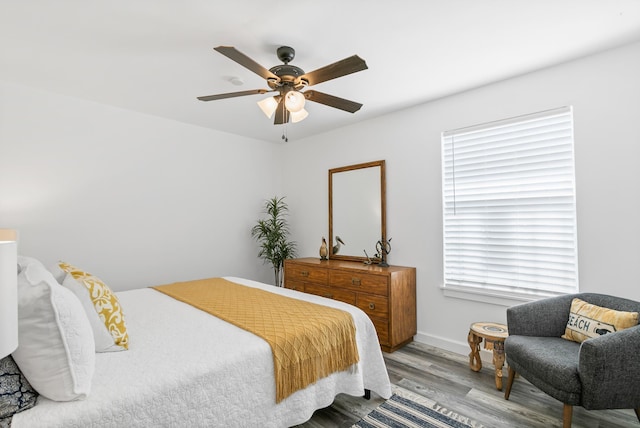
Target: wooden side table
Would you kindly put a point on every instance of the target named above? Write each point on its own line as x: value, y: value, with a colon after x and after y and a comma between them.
x: 494, y: 335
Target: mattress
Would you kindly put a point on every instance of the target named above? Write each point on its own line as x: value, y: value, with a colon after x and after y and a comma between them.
x: 185, y: 367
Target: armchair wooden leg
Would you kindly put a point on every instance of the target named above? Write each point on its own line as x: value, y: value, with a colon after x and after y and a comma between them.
x: 637, y: 413
x: 512, y: 376
x: 567, y: 413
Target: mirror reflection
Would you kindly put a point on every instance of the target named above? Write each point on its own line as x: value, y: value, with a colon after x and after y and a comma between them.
x: 356, y: 210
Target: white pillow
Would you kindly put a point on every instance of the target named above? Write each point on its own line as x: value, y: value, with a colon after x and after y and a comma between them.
x: 24, y: 261
x: 56, y: 350
x: 57, y: 273
x: 55, y: 270
x: 102, y: 337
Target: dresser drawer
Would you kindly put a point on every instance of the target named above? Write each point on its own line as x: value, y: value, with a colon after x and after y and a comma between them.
x: 294, y: 285
x: 374, y: 306
x: 332, y: 293
x: 374, y: 284
x: 296, y: 272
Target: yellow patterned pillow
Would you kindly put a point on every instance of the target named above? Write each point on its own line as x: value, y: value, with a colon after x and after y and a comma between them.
x: 587, y: 321
x: 106, y: 306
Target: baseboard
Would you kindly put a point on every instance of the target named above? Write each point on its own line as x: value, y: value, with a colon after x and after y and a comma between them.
x: 455, y: 346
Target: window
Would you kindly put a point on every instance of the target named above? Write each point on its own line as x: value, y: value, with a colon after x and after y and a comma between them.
x: 509, y: 207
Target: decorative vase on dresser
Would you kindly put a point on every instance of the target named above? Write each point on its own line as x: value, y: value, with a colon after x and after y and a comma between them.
x: 386, y: 294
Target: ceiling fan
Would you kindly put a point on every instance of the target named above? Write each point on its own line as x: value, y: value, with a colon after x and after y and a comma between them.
x: 288, y: 81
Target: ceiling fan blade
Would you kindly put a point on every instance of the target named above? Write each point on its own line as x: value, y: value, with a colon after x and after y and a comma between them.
x: 332, y: 101
x: 233, y: 95
x: 282, y: 114
x: 237, y: 56
x: 349, y: 65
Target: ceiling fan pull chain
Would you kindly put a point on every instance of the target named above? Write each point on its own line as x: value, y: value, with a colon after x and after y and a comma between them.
x: 284, y: 117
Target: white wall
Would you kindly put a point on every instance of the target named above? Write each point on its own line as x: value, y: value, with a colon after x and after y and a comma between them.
x: 134, y: 199
x: 605, y: 93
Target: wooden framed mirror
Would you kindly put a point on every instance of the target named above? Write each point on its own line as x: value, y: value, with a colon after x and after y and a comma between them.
x: 357, y: 210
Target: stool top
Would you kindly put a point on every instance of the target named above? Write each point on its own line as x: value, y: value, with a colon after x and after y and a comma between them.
x: 490, y: 330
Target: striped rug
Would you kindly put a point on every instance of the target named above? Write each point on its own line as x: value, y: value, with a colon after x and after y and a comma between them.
x: 406, y: 409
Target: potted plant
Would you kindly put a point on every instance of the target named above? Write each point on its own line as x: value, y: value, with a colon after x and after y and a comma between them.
x: 272, y: 233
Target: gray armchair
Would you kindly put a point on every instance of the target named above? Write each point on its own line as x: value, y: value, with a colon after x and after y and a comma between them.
x: 601, y: 373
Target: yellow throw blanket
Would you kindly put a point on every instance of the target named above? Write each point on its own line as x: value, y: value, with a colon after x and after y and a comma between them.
x: 308, y: 341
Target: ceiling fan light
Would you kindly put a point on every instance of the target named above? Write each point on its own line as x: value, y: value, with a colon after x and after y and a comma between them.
x: 294, y: 101
x: 297, y: 116
x: 268, y: 106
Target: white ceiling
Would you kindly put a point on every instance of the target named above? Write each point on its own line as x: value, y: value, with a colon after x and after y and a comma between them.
x: 156, y: 56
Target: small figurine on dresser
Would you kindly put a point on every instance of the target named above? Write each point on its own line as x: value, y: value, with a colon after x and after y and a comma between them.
x: 336, y: 247
x: 324, y: 250
x: 383, y: 248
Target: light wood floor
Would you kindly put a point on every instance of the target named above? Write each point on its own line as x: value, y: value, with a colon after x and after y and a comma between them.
x: 446, y: 378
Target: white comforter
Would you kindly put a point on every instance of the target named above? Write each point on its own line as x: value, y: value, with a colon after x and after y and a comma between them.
x: 186, y: 368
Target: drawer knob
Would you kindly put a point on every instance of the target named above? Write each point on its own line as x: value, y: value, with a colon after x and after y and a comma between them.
x: 355, y: 281
x: 372, y: 305
x: 304, y: 273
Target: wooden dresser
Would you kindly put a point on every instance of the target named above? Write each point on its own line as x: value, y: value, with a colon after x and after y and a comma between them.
x: 386, y: 294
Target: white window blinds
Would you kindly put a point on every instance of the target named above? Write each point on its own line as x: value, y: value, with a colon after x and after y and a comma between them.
x: 509, y: 205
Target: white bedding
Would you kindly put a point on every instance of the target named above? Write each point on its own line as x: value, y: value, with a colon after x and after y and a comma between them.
x: 185, y: 367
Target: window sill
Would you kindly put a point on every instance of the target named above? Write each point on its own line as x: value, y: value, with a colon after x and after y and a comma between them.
x: 494, y: 297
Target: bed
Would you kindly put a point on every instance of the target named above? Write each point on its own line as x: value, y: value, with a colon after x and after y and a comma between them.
x: 185, y: 367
